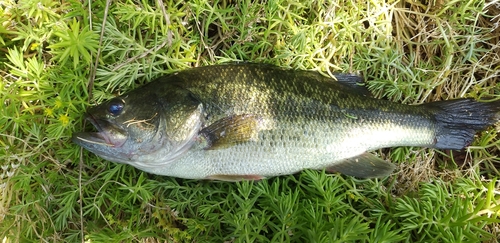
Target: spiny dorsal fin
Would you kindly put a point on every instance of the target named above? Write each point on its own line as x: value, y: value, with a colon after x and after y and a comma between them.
x: 365, y: 165
x: 355, y: 82
x: 230, y: 131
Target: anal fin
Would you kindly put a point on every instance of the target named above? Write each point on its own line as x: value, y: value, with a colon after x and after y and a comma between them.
x: 365, y: 165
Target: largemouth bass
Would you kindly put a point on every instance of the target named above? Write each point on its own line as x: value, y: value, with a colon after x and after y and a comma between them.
x: 249, y: 121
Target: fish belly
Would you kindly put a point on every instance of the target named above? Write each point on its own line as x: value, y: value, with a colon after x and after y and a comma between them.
x: 292, y: 148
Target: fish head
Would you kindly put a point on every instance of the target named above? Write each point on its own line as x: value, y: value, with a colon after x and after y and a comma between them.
x: 142, y: 129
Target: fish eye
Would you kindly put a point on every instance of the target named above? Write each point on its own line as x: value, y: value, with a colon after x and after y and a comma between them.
x: 115, y: 107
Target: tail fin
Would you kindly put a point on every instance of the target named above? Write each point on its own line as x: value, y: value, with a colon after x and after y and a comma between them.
x: 459, y: 120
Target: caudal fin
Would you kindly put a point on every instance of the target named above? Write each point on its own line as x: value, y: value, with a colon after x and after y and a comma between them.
x: 459, y: 120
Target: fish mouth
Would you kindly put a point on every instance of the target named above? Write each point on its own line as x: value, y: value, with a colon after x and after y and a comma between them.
x: 108, y: 134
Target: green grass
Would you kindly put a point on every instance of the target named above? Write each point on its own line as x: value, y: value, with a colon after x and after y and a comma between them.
x: 408, y: 51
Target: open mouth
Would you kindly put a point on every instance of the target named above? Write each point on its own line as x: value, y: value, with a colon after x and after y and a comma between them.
x: 107, y: 134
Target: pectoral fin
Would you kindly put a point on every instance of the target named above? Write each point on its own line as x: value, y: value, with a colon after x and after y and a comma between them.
x: 230, y: 131
x: 363, y: 166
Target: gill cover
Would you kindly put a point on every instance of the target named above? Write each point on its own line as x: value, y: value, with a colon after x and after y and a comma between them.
x: 137, y: 127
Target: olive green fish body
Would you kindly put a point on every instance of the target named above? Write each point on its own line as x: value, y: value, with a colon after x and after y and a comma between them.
x: 248, y: 121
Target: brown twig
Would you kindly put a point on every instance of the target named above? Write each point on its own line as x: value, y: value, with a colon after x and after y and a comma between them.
x: 167, y: 21
x: 94, y: 68
x: 141, y: 55
x: 89, y: 88
x: 165, y: 42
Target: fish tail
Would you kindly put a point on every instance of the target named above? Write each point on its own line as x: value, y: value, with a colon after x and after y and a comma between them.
x: 459, y: 120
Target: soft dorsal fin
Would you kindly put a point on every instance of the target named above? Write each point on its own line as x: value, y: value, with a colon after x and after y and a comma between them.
x: 229, y: 131
x: 365, y: 165
x: 355, y: 82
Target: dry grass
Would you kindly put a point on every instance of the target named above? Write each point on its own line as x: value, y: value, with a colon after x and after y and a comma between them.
x: 452, y: 58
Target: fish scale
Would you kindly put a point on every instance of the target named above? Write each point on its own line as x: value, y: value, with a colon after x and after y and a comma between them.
x: 249, y: 121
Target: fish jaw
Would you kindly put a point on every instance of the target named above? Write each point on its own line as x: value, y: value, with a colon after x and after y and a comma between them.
x: 107, y: 135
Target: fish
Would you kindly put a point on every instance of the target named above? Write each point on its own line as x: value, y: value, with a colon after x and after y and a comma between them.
x: 243, y: 121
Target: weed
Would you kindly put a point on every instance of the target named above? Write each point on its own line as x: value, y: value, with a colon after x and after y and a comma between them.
x: 408, y: 51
